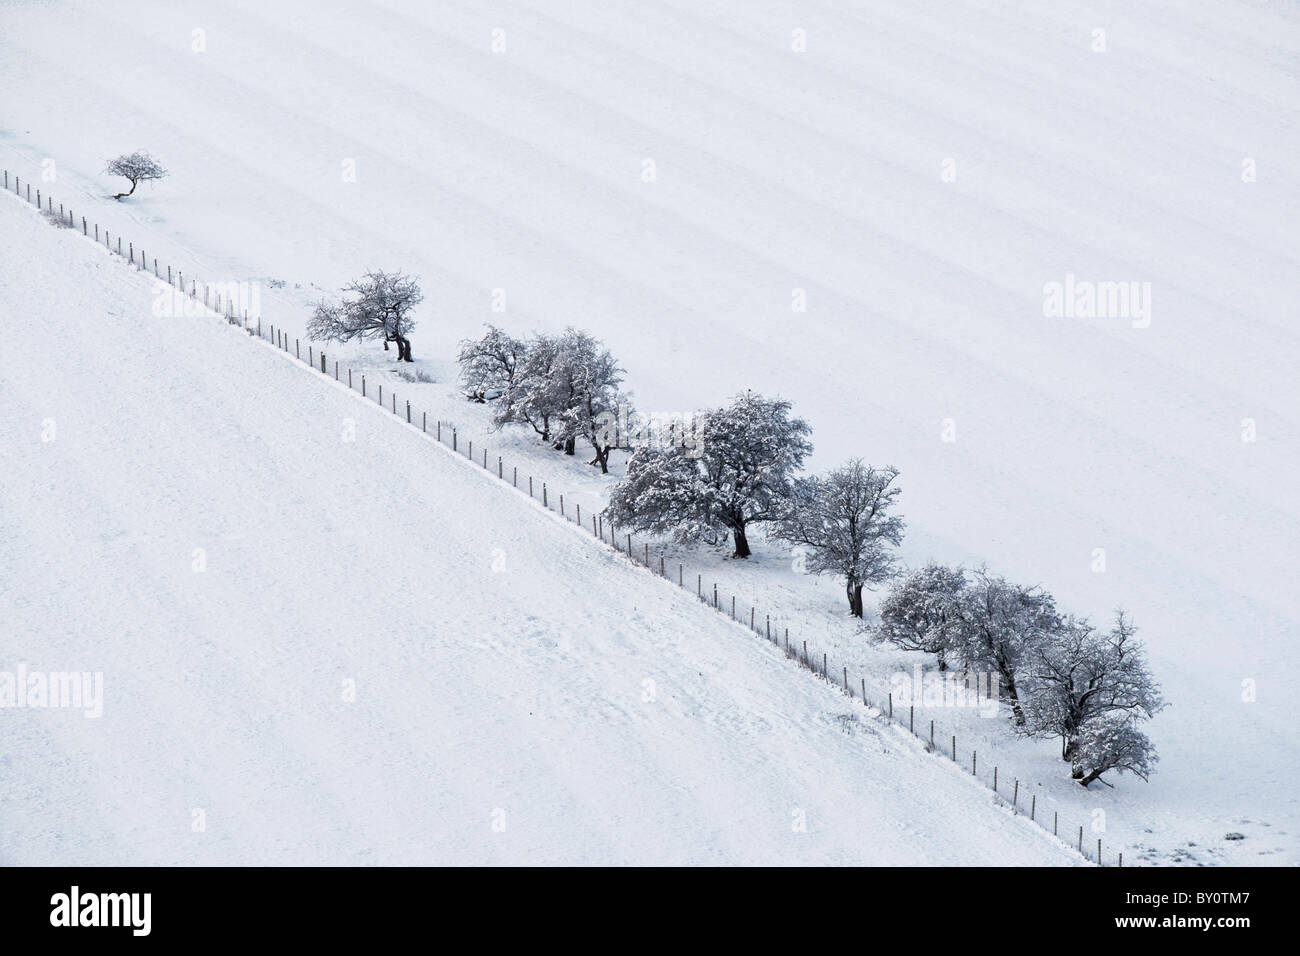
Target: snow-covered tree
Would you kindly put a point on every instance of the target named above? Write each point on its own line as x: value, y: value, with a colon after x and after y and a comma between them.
x: 136, y: 168
x: 1003, y: 625
x: 589, y: 376
x: 750, y: 451
x: 535, y: 394
x: 376, y: 306
x: 1085, y: 685
x: 488, y: 365
x: 923, y: 612
x: 1113, y: 742
x: 844, y: 520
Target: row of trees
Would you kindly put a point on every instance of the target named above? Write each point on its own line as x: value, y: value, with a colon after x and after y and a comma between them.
x: 1060, y: 675
x: 741, y: 470
x: 565, y: 386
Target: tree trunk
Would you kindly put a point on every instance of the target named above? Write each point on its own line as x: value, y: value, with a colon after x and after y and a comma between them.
x: 943, y: 661
x: 1015, y: 701
x: 602, y: 458
x: 569, y: 445
x: 742, y: 545
x: 403, y: 349
x: 854, y: 591
x: 128, y: 192
x: 1085, y: 779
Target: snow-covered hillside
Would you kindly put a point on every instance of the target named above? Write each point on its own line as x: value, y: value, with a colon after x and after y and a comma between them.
x: 521, y: 695
x: 919, y: 172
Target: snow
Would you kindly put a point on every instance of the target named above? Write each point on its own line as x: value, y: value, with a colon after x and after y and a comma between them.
x: 503, y: 665
x: 821, y: 171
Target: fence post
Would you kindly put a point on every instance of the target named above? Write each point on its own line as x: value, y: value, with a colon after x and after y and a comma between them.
x: 1121, y: 861
x: 629, y: 554
x: 500, y: 472
x: 1056, y: 818
x: 846, y: 681
x: 1033, y: 805
x: 891, y: 705
x: 768, y: 626
x: 911, y: 718
x: 1015, y: 796
x: 805, y: 653
x: 751, y: 621
x: 1099, y: 851
x: 424, y: 421
x: 974, y: 757
x: 932, y: 735
x: 1080, y: 839
x: 954, y: 748
x: 363, y: 386
x: 408, y: 411
x: 594, y: 532
x: 823, y: 663
x: 995, y: 779
x: 679, y: 576
x: 864, y: 690
x: 349, y: 378
x: 297, y: 353
x: 546, y: 504
x: 455, y: 440
x: 516, y: 478
x: 699, y: 585
x: 662, y: 573
x: 530, y: 486
x: 715, y: 594
x: 733, y: 607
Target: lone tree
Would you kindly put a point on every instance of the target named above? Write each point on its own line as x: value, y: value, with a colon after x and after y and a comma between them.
x: 376, y: 306
x: 922, y: 612
x: 488, y: 366
x: 844, y: 520
x: 138, y: 167
x: 1091, y: 689
x: 741, y: 474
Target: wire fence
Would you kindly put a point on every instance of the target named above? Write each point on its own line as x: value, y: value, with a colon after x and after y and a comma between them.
x: 942, y: 743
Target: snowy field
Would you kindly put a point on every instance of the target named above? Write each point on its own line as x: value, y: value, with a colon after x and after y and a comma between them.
x: 918, y: 175
x: 521, y: 695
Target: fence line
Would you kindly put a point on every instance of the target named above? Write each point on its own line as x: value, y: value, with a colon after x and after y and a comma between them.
x: 447, y: 434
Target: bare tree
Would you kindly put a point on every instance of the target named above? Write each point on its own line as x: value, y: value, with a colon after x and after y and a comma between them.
x: 137, y: 167
x: 923, y: 612
x: 844, y: 521
x: 1086, y: 686
x: 376, y: 306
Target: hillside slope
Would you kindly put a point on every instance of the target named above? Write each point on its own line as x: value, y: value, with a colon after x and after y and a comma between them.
x: 501, y: 662
x: 521, y: 167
